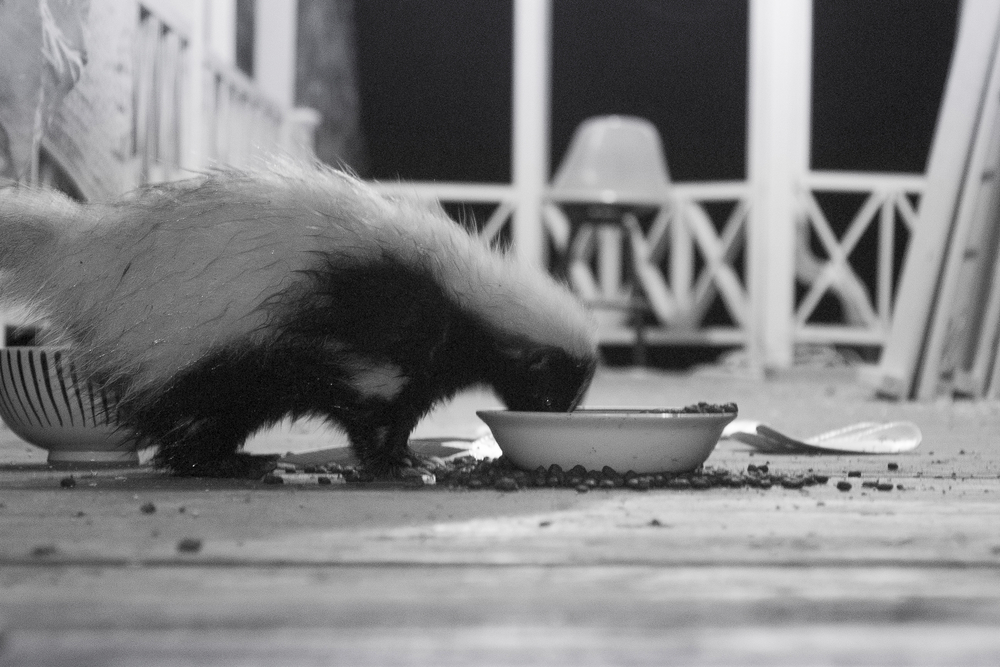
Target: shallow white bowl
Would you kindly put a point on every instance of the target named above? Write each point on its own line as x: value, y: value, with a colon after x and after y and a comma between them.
x: 642, y: 440
x: 45, y: 402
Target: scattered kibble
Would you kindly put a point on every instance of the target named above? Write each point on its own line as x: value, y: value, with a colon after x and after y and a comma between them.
x: 613, y: 475
x: 500, y: 474
x: 709, y: 408
x: 639, y: 483
x: 506, y: 484
x: 189, y: 545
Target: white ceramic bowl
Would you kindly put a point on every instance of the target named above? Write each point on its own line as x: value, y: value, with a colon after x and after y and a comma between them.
x: 642, y: 440
x: 44, y: 402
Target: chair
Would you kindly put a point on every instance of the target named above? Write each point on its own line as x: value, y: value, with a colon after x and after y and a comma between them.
x: 614, y: 168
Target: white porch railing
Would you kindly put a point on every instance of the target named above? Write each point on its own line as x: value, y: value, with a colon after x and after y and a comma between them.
x: 719, y: 249
x: 867, y: 306
x: 191, y: 111
x: 239, y: 121
x: 691, y: 261
x: 160, y: 56
x: 503, y: 196
x: 674, y: 290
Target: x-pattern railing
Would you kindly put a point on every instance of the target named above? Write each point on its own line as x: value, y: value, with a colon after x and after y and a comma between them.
x: 662, y: 269
x: 502, y: 196
x: 680, y: 291
x: 719, y: 251
x: 887, y: 198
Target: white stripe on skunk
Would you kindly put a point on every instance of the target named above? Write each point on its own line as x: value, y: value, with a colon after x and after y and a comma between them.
x: 220, y: 305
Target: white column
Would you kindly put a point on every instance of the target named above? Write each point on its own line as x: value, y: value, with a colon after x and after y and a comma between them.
x: 275, y: 31
x: 193, y: 156
x: 780, y: 73
x: 220, y: 29
x: 532, y: 71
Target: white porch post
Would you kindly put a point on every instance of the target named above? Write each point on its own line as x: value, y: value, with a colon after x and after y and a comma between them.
x: 275, y: 28
x: 530, y: 158
x: 193, y: 156
x: 779, y: 106
x: 220, y: 29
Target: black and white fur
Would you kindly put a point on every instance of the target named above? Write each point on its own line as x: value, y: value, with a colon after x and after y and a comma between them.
x: 218, y: 306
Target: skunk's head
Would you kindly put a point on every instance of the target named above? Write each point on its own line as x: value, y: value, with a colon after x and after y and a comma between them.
x: 546, y: 379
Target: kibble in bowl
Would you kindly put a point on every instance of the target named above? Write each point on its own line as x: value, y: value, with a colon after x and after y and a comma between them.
x: 644, y: 440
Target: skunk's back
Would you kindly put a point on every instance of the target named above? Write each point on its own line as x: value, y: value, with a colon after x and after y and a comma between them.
x: 161, y: 277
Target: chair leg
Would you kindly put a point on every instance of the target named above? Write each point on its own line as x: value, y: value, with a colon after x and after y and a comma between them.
x: 639, y: 355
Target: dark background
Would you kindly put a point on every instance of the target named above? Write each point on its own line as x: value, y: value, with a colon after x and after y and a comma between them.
x: 434, y: 82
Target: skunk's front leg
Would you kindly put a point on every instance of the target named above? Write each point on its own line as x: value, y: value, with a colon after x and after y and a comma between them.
x: 209, y: 448
x: 379, y: 433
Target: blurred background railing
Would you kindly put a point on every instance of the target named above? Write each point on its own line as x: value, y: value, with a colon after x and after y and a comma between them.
x: 161, y: 65
x: 240, y: 122
x: 699, y: 251
x: 831, y: 256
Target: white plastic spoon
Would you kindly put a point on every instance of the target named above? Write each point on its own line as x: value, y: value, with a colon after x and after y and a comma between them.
x: 861, y: 438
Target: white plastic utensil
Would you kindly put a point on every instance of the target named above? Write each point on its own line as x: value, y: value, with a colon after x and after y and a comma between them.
x: 860, y: 438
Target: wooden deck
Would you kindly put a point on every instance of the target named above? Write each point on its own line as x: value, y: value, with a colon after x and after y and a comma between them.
x: 326, y: 575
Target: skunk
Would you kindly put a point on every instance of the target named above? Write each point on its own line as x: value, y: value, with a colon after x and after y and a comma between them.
x: 220, y: 305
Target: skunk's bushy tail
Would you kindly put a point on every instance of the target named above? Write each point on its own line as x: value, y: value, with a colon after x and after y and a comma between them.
x: 31, y: 222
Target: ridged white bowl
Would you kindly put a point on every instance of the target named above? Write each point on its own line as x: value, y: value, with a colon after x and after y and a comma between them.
x: 45, y: 402
x: 642, y: 440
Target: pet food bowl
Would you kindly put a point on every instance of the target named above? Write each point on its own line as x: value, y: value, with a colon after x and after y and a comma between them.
x: 642, y: 440
x: 45, y: 402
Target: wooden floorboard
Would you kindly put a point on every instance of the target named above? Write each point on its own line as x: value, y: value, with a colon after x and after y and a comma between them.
x: 792, y: 646
x: 527, y: 615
